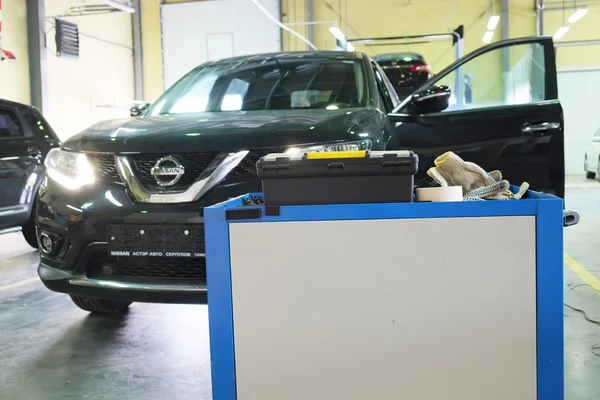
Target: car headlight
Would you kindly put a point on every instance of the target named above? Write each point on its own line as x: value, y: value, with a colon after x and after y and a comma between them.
x: 365, y: 144
x: 70, y: 169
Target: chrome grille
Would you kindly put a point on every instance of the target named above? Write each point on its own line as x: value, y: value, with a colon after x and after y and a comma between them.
x: 144, y: 269
x: 194, y: 164
x: 247, y: 167
x: 104, y: 166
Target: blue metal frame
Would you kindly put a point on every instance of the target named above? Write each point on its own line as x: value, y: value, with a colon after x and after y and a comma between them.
x: 549, y: 272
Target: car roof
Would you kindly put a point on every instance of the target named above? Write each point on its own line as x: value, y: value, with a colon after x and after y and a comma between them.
x: 290, y: 55
x: 13, y: 105
x: 394, y: 56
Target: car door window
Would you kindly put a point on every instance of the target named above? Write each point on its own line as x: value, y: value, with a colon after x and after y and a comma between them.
x: 386, y: 87
x: 9, y: 125
x: 485, y: 84
x: 37, y: 126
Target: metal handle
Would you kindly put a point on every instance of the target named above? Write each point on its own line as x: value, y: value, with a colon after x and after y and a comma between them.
x: 544, y: 126
x: 570, y: 218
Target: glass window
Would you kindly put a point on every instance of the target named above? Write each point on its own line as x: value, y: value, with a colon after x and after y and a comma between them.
x: 9, y: 125
x: 390, y: 92
x: 234, y: 96
x: 275, y: 84
x: 38, y: 125
x: 485, y: 84
x: 195, y: 99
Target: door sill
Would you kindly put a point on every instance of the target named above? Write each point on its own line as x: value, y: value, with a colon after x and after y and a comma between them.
x: 13, y: 229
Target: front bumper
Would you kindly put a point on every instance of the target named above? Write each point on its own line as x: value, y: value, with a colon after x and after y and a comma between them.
x: 81, y: 265
x: 80, y: 285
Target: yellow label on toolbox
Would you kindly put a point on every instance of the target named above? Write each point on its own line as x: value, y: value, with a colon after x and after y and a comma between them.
x: 336, y: 154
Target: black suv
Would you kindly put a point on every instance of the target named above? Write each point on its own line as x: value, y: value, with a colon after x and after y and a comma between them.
x: 25, y: 139
x: 145, y: 180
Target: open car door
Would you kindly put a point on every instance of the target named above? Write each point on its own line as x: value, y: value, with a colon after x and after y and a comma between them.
x: 503, y: 114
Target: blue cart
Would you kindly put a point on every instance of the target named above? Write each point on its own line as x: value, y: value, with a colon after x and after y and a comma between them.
x: 455, y: 301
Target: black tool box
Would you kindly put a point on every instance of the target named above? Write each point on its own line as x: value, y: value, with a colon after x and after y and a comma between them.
x: 347, y: 177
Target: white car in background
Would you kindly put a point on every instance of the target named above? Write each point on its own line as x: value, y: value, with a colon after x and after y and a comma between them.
x: 592, y: 157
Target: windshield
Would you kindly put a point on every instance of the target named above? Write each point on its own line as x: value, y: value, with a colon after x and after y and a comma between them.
x: 267, y: 85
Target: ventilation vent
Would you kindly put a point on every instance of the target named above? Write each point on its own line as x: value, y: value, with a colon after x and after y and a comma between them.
x: 67, y: 39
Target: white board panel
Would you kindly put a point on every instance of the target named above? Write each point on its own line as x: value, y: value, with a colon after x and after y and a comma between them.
x: 577, y: 91
x: 196, y: 32
x: 219, y: 45
x: 385, y: 309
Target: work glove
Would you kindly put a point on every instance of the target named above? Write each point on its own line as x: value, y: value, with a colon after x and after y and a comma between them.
x: 477, y: 184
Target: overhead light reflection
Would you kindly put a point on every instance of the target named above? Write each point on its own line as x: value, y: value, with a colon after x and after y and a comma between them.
x: 487, y: 37
x: 73, y: 208
x: 109, y: 196
x: 578, y: 14
x: 335, y: 31
x: 562, y: 31
x: 493, y: 22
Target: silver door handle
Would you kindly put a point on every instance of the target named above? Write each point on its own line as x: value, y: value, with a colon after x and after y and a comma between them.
x: 544, y: 126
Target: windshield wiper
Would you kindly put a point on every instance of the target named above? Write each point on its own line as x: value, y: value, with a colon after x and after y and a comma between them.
x: 284, y: 73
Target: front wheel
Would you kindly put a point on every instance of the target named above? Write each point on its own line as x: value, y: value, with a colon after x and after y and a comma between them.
x: 29, y: 232
x: 100, y: 306
x: 588, y: 174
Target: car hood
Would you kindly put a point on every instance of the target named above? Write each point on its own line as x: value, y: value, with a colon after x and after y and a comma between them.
x: 218, y: 131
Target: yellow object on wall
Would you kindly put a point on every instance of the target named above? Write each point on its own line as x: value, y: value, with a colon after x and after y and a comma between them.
x: 152, y: 65
x: 14, y: 74
x: 584, y: 29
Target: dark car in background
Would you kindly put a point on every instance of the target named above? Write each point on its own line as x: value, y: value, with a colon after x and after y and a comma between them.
x: 406, y: 71
x: 25, y: 139
x: 121, y: 206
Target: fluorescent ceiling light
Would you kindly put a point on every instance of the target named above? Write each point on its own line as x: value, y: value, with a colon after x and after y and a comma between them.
x: 560, y: 32
x: 493, y: 22
x: 578, y: 14
x: 120, y: 6
x: 349, y: 47
x: 335, y: 31
x: 487, y: 37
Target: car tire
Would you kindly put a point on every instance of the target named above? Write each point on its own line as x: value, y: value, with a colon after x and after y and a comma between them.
x: 100, y: 306
x: 588, y: 174
x: 30, y: 232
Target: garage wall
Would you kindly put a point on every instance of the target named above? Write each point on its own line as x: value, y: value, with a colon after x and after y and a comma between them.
x: 381, y: 18
x: 578, y: 91
x: 14, y: 75
x: 103, y: 74
x: 584, y: 29
x: 196, y: 32
x: 578, y: 80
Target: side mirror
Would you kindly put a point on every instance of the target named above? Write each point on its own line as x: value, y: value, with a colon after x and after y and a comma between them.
x: 430, y: 100
x: 138, y: 109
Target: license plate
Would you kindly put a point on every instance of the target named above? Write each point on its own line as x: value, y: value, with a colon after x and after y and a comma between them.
x: 156, y: 240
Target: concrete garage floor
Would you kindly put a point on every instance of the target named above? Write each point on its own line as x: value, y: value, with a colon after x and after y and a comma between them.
x: 51, y: 350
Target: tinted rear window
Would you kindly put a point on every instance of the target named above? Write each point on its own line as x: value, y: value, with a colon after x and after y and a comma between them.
x: 9, y: 125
